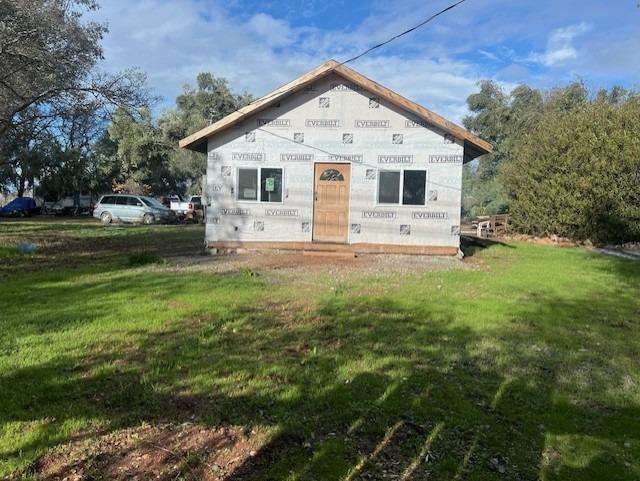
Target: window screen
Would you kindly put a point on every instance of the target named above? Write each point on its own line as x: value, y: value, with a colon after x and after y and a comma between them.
x: 389, y: 187
x: 413, y: 187
x: 247, y: 184
x: 271, y: 185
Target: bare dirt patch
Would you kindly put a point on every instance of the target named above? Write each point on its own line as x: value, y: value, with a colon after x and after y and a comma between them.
x: 296, y: 262
x: 164, y: 452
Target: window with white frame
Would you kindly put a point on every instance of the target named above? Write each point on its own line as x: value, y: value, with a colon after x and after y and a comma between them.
x: 403, y: 187
x: 262, y: 184
x: 247, y: 184
x: 389, y: 187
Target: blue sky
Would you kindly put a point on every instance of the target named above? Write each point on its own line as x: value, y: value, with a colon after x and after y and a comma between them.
x: 258, y: 46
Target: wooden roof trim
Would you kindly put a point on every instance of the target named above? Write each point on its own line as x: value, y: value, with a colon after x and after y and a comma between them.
x: 406, y: 104
x: 260, y: 104
x: 349, y: 74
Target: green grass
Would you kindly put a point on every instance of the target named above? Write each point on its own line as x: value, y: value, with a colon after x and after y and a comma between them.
x: 524, y: 366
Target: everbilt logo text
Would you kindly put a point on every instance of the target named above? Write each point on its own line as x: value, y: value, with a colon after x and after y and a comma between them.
x: 296, y: 157
x: 256, y: 156
x: 395, y: 159
x: 274, y: 122
x: 445, y: 159
x: 371, y: 124
x: 322, y: 123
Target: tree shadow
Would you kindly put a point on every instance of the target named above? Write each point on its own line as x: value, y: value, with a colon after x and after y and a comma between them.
x: 491, y: 421
x: 363, y: 388
x: 471, y: 246
x: 625, y: 271
x: 64, y: 248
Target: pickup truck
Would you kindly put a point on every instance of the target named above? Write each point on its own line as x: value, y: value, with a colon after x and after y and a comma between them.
x: 190, y: 209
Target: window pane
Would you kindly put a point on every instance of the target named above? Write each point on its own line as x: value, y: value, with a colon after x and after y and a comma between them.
x: 332, y: 175
x: 413, y: 187
x: 247, y: 184
x: 133, y: 201
x: 121, y: 200
x: 271, y: 185
x: 389, y: 188
x: 107, y: 200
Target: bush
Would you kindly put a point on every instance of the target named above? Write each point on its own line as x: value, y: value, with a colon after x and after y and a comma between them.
x: 577, y: 174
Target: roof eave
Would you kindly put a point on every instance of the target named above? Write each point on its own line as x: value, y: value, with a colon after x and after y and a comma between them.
x: 436, y: 120
x: 195, y: 140
x: 258, y: 105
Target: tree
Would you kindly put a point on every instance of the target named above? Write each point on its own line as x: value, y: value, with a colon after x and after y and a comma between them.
x: 53, y: 97
x: 490, y: 117
x: 142, y: 152
x: 567, y: 99
x: 49, y: 60
x: 489, y: 120
x: 83, y: 160
x: 197, y: 107
x: 504, y: 119
x: 25, y: 151
x: 577, y: 173
x: 148, y: 150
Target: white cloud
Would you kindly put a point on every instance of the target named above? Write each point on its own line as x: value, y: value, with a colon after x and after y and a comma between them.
x: 560, y: 48
x: 441, y: 85
x: 173, y: 41
x: 275, y: 33
x: 490, y: 56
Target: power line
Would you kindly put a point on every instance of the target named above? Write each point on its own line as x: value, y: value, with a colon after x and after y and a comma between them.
x: 353, y: 59
x: 366, y: 164
x: 395, y: 37
x: 369, y: 50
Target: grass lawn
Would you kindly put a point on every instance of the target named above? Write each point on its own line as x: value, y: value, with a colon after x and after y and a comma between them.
x: 522, y: 364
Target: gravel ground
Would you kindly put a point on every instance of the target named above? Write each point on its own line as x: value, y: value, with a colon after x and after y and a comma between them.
x: 297, y: 263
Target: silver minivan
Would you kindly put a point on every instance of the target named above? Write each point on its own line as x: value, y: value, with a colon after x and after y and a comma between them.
x: 132, y: 208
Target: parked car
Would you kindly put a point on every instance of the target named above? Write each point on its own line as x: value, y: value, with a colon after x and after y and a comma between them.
x: 81, y: 205
x: 20, y: 207
x: 190, y: 209
x: 132, y: 208
x: 167, y: 199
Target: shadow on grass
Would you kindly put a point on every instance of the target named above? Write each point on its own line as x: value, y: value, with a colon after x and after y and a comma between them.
x: 473, y: 245
x: 91, y: 247
x: 359, y: 388
x: 626, y: 271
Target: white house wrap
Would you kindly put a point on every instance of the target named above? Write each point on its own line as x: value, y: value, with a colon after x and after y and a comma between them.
x: 335, y: 158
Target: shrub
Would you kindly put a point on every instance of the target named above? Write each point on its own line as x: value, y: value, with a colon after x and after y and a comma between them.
x: 577, y: 174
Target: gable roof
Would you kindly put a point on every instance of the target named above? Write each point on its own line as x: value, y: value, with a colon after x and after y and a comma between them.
x: 474, y: 145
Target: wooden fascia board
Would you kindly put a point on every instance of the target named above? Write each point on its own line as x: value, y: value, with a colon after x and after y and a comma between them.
x: 417, y: 109
x: 260, y: 104
x: 349, y: 74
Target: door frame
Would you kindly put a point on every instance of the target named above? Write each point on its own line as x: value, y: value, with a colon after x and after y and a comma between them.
x: 313, y: 202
